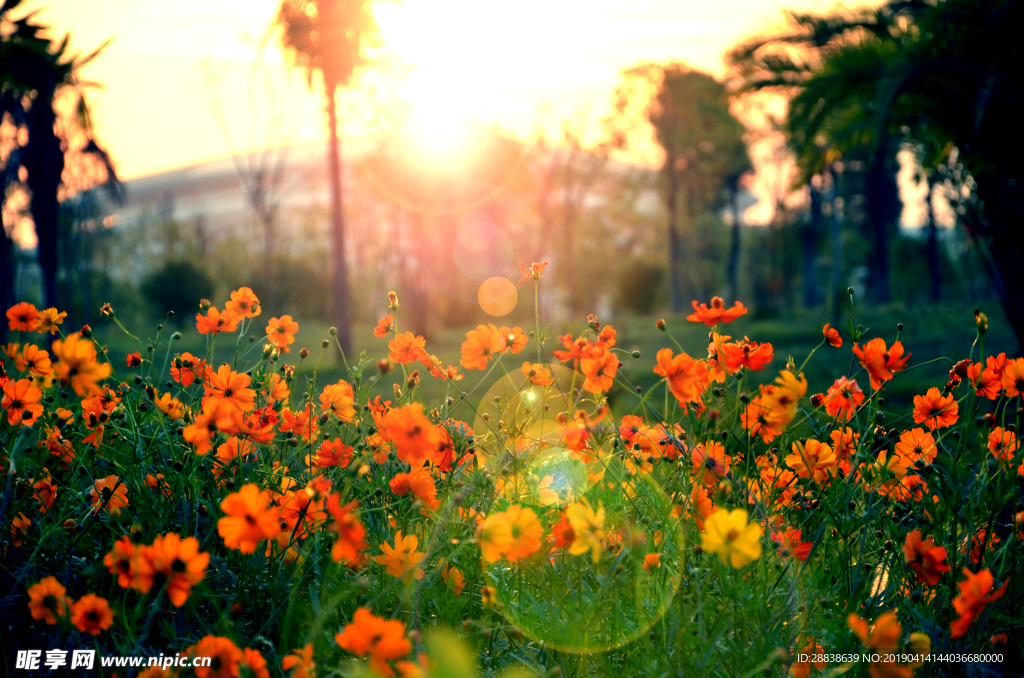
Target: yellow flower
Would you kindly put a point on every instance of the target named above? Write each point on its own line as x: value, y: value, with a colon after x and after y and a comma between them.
x: 588, y: 526
x: 736, y: 541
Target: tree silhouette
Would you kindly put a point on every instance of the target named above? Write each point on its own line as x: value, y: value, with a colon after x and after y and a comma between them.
x: 33, y: 72
x: 943, y: 75
x: 704, y: 158
x: 327, y: 36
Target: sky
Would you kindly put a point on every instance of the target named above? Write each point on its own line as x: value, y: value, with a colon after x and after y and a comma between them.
x: 178, y: 85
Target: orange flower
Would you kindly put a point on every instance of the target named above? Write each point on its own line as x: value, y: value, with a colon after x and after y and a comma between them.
x: 747, y: 354
x: 494, y: 536
x: 23, y: 317
x: 282, y: 331
x: 383, y: 640
x: 407, y: 348
x: 917, y: 444
x: 831, y: 335
x: 244, y: 303
x: 44, y: 492
x: 216, y: 415
x: 402, y: 560
x: 935, y: 410
x: 91, y: 614
x: 256, y: 663
x: 350, y: 532
x: 300, y: 661
x: 187, y: 369
x: 21, y: 400
x: 710, y: 463
x: 1013, y: 377
x: 575, y: 348
x: 534, y: 272
x: 78, y: 365
x: 526, y: 533
x: 1003, y: 443
x: 541, y: 375
x: 599, y: 369
x: 562, y: 533
x: 453, y: 577
x: 340, y: 400
x: 232, y: 388
x: 170, y: 406
x: 812, y: 459
x: 19, y: 529
x: 987, y: 382
x: 716, y: 313
x: 224, y: 655
x: 420, y: 484
x: 384, y: 326
x: 687, y: 378
x: 789, y: 544
x: 514, y: 338
x: 109, y: 493
x: 334, y: 453
x: 50, y: 321
x: 884, y: 638
x: 215, y: 322
x: 414, y: 436
x: 120, y: 561
x: 880, y: 363
x: 36, y: 360
x: 808, y: 646
x: 843, y: 398
x: 701, y: 504
x: 481, y: 345
x: 925, y: 558
x: 974, y: 597
x: 178, y: 560
x: 46, y: 599
x: 757, y: 418
x: 652, y: 561
x: 247, y: 520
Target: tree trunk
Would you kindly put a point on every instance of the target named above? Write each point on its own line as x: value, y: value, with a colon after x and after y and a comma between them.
x: 675, y: 246
x: 836, y: 228
x: 340, y: 288
x: 1002, y: 196
x: 734, y: 246
x: 882, y: 193
x: 934, y: 272
x: 809, y: 246
x: 44, y: 160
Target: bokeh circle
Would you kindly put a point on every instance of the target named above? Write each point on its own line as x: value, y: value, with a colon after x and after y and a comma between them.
x: 530, y: 446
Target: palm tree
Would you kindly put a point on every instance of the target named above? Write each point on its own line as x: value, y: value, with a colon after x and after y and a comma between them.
x: 327, y: 36
x: 34, y: 68
x: 943, y: 74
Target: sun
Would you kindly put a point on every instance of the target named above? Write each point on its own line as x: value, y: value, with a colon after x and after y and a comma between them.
x: 438, y: 90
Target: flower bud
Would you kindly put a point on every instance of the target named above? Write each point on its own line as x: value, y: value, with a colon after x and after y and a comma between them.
x: 393, y: 301
x: 303, y: 353
x: 86, y: 331
x: 326, y: 343
x: 204, y: 304
x: 384, y: 366
x: 333, y: 331
x: 981, y: 320
x: 636, y: 355
x: 107, y: 310
x: 660, y: 324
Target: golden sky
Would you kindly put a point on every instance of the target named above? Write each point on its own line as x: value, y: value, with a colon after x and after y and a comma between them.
x: 173, y: 65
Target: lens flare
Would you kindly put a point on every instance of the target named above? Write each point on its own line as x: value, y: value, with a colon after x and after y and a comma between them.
x: 574, y: 599
x: 497, y: 296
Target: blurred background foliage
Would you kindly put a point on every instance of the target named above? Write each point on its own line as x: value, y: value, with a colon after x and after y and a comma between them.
x: 848, y: 111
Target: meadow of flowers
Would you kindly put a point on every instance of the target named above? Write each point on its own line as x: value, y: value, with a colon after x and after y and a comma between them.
x: 733, y: 520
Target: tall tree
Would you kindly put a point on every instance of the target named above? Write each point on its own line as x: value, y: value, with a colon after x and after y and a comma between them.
x: 327, y: 37
x: 941, y: 73
x: 703, y: 157
x: 34, y: 72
